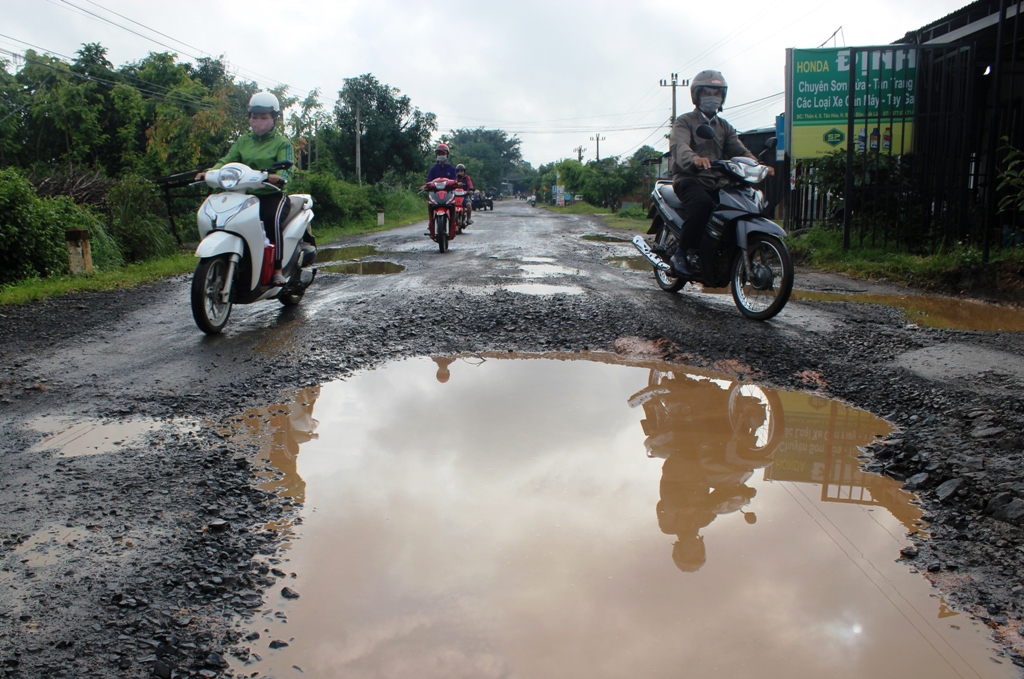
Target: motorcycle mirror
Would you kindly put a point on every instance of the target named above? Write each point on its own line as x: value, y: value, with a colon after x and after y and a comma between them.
x: 282, y: 165
x: 705, y: 132
x: 771, y: 142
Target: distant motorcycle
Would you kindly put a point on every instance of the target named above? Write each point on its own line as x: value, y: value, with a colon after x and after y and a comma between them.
x: 461, y: 213
x: 740, y: 246
x: 441, y: 196
x: 234, y: 266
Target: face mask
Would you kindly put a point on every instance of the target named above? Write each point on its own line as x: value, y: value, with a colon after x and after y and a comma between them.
x: 442, y: 159
x: 261, y: 125
x: 710, y: 105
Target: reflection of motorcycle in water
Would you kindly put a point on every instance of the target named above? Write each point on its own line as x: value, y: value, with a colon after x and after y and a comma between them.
x: 712, y: 435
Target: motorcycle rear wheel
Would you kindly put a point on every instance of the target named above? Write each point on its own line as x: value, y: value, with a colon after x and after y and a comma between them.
x: 768, y: 291
x: 441, y: 230
x: 667, y: 242
x: 208, y: 283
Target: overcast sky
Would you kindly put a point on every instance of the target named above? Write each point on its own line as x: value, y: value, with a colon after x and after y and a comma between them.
x: 554, y: 73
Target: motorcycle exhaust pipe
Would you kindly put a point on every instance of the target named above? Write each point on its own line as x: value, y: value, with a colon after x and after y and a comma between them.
x: 640, y: 244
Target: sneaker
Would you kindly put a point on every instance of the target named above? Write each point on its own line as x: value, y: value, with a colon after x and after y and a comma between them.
x: 469, y: 222
x: 278, y: 280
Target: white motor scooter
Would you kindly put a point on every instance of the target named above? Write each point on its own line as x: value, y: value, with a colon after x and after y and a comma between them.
x: 234, y: 266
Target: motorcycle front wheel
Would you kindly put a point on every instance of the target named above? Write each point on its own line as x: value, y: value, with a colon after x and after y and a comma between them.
x: 666, y: 243
x: 770, y: 283
x: 208, y: 284
x: 441, y: 230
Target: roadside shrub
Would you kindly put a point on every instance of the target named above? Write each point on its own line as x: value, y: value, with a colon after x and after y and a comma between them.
x: 336, y: 203
x: 32, y: 242
x: 135, y: 226
x: 635, y: 212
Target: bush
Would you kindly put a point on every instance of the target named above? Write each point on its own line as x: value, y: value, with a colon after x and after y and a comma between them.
x: 635, y: 212
x: 135, y: 226
x: 338, y: 203
x: 32, y: 242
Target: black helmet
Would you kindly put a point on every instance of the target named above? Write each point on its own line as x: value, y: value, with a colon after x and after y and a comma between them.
x: 713, y: 79
x: 460, y: 166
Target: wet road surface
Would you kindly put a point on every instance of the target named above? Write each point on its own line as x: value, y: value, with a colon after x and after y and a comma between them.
x: 180, y: 530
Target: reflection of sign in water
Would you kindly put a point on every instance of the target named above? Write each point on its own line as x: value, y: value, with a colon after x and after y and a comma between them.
x: 818, y: 99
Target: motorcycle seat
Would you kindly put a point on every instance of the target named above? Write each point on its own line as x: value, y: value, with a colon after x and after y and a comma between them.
x: 669, y: 195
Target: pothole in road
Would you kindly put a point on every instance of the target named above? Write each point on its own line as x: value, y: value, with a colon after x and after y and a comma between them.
x: 547, y: 270
x: 601, y: 238
x: 74, y: 438
x: 632, y: 263
x: 482, y: 516
x: 344, y: 254
x: 934, y: 312
x: 543, y: 289
x: 364, y: 268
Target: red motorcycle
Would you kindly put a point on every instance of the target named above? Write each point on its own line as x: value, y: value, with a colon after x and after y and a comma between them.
x: 461, y: 213
x: 442, y: 202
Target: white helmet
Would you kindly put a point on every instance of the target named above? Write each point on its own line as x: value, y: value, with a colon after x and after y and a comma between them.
x: 265, y: 102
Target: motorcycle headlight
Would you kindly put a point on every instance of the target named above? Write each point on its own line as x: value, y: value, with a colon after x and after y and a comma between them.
x: 755, y: 174
x: 229, y: 177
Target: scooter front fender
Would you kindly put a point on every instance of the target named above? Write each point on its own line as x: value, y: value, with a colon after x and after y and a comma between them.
x: 220, y: 243
x: 749, y: 225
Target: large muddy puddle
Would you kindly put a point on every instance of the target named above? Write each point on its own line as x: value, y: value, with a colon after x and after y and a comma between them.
x: 502, y: 516
x: 934, y: 312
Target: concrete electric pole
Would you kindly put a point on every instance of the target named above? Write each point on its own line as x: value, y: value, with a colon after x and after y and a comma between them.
x: 579, y: 153
x: 598, y: 139
x: 359, y: 163
x: 674, y: 82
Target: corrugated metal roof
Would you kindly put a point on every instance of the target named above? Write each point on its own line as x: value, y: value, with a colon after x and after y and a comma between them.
x: 958, y: 19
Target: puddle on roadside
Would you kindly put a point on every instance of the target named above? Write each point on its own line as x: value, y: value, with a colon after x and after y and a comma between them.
x: 348, y: 253
x: 486, y: 517
x: 538, y: 260
x: 934, y: 312
x: 600, y: 238
x: 51, y: 550
x: 74, y: 438
x: 364, y: 268
x: 543, y: 289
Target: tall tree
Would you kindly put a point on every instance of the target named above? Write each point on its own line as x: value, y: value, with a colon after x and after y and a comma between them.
x: 395, y: 136
x: 490, y: 156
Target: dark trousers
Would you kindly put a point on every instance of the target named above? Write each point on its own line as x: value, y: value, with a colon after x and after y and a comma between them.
x: 698, y: 204
x: 274, y: 211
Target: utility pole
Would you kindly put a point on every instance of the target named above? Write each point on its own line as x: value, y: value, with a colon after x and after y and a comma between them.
x: 359, y: 160
x: 598, y: 138
x: 674, y: 82
x: 579, y: 153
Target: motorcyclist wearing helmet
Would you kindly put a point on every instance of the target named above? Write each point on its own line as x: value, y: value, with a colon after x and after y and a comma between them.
x: 693, y: 181
x: 260, y: 148
x: 466, y: 182
x: 441, y: 168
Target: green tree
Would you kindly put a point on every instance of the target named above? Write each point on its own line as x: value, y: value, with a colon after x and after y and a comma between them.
x: 490, y: 156
x: 395, y: 136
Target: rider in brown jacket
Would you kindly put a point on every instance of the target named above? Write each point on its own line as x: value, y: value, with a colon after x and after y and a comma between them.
x: 694, y: 183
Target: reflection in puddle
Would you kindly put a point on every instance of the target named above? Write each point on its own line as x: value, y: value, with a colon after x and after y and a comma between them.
x: 934, y: 312
x: 74, y: 438
x: 632, y: 263
x: 606, y: 239
x: 542, y: 289
x: 341, y: 254
x: 364, y: 268
x: 547, y: 270
x: 543, y: 518
x: 280, y: 429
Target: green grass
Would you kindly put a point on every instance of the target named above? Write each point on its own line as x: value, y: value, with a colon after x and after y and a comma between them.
x: 823, y: 249
x: 578, y: 209
x: 329, y: 233
x: 36, y: 289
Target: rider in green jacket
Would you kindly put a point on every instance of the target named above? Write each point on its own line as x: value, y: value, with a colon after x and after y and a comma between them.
x: 260, y: 149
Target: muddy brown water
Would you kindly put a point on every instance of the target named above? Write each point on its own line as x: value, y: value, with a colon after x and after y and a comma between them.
x: 934, y: 312
x: 364, y: 268
x: 345, y: 254
x: 480, y: 516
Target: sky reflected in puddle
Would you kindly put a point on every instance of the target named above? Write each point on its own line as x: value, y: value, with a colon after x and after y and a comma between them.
x: 72, y: 437
x: 477, y: 517
x: 934, y: 312
x: 547, y: 270
x: 543, y: 289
